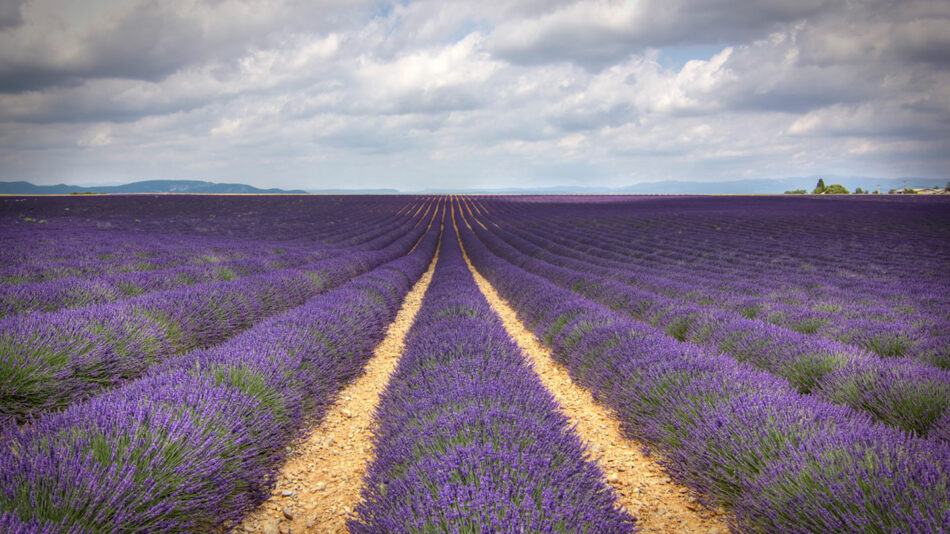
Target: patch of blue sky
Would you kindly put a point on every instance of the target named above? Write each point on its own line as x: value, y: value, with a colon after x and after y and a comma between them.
x: 382, y: 10
x: 469, y: 27
x: 674, y: 57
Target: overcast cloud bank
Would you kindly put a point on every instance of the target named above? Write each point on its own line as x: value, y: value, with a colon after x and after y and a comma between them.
x: 418, y: 95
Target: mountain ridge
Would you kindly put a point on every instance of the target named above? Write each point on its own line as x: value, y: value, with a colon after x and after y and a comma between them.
x: 146, y: 186
x: 669, y: 187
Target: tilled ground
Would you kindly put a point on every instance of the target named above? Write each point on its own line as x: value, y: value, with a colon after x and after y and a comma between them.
x: 659, y: 504
x: 319, y: 486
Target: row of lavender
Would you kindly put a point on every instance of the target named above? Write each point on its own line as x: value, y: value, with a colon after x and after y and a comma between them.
x: 882, y: 326
x: 196, y: 442
x: 750, y: 231
x: 49, y: 360
x: 893, y: 332
x: 467, y: 438
x: 909, y: 297
x: 901, y: 392
x: 105, y: 287
x: 755, y: 235
x: 765, y: 254
x: 780, y: 460
x: 79, y: 291
x: 241, y: 218
x: 83, y: 250
x: 36, y: 254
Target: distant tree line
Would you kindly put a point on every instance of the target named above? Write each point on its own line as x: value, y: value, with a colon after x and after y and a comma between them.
x: 822, y: 189
x: 838, y: 189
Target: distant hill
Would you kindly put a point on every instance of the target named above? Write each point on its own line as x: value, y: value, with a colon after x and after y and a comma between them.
x: 148, y: 186
x: 738, y: 187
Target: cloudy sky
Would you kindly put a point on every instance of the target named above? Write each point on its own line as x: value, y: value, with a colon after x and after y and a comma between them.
x: 416, y: 94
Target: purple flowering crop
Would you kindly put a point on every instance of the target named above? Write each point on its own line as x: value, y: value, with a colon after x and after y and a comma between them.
x: 731, y: 431
x: 86, y: 238
x: 198, y: 440
x: 787, y: 358
x: 49, y: 360
x: 907, y: 394
x: 467, y: 438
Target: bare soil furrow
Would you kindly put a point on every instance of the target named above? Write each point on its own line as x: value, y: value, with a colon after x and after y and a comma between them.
x: 659, y: 504
x: 320, y: 483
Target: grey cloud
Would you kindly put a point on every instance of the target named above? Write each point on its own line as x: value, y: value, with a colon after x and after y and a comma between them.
x: 437, y: 101
x: 154, y: 39
x: 10, y: 14
x: 20, y: 78
x: 767, y: 84
x: 598, y: 35
x: 584, y: 118
x: 925, y: 41
x: 85, y: 104
x: 911, y: 31
x: 366, y: 139
x: 424, y: 91
x: 147, y: 43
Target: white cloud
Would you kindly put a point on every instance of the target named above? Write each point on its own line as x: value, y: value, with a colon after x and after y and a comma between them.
x: 443, y: 79
x: 99, y: 135
x: 420, y: 93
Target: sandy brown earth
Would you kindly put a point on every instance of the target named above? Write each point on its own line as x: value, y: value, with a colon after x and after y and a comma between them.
x: 641, y: 486
x: 320, y: 483
x: 427, y: 206
x: 429, y: 227
x: 468, y: 206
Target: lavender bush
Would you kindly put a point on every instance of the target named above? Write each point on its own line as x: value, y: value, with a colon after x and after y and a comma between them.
x: 913, y: 397
x: 91, y: 237
x: 197, y: 441
x: 467, y: 438
x: 786, y: 357
x: 879, y: 325
x: 50, y: 360
x: 729, y: 430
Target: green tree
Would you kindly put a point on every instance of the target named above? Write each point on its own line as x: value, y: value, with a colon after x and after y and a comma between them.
x: 820, y: 188
x: 860, y: 191
x: 836, y: 189
x: 796, y: 192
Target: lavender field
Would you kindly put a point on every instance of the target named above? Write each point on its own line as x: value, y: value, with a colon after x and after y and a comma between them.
x: 179, y: 363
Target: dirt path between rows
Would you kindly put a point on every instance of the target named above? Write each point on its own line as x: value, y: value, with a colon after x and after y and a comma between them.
x: 659, y: 504
x: 320, y: 483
